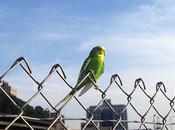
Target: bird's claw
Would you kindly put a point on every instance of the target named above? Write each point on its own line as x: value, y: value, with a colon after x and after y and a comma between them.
x: 96, y: 87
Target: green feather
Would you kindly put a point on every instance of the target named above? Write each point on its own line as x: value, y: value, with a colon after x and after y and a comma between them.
x: 94, y: 62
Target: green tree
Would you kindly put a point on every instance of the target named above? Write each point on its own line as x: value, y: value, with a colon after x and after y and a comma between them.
x: 7, y: 107
x: 40, y: 112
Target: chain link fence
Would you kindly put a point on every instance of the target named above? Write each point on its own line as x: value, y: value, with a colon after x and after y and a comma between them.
x: 115, y: 81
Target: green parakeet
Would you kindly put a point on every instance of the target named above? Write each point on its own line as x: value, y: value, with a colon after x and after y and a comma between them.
x: 95, y: 63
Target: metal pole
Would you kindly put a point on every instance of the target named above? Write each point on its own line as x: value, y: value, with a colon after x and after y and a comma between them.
x: 154, y: 121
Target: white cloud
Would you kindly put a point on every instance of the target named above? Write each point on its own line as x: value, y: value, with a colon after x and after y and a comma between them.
x: 158, y: 48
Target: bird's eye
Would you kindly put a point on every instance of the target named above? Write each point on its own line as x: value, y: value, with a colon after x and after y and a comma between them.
x: 100, y: 51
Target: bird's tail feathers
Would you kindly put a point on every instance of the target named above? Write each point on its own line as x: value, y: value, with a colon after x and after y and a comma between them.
x: 85, y: 89
x: 65, y: 98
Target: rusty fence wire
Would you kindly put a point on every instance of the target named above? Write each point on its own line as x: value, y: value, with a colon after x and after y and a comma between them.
x: 115, y: 81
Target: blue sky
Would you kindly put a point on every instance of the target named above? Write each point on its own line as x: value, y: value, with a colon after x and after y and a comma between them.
x: 138, y: 36
x: 39, y: 29
x: 138, y: 33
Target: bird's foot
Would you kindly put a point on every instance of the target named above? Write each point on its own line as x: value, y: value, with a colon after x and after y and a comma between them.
x: 96, y: 87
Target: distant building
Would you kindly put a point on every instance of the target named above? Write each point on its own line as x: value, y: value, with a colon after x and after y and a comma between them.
x: 105, y: 113
x: 57, y: 125
x: 142, y: 129
x: 9, y: 89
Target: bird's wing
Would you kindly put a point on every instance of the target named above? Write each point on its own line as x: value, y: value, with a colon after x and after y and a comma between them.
x: 82, y: 72
x: 85, y: 64
x: 85, y: 89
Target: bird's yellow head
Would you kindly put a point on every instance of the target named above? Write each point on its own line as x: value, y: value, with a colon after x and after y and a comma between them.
x: 98, y: 51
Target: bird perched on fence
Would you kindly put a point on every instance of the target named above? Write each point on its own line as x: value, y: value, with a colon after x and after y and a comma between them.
x: 95, y: 63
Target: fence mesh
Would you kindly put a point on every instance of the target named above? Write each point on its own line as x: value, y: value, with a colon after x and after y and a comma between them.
x: 116, y: 81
